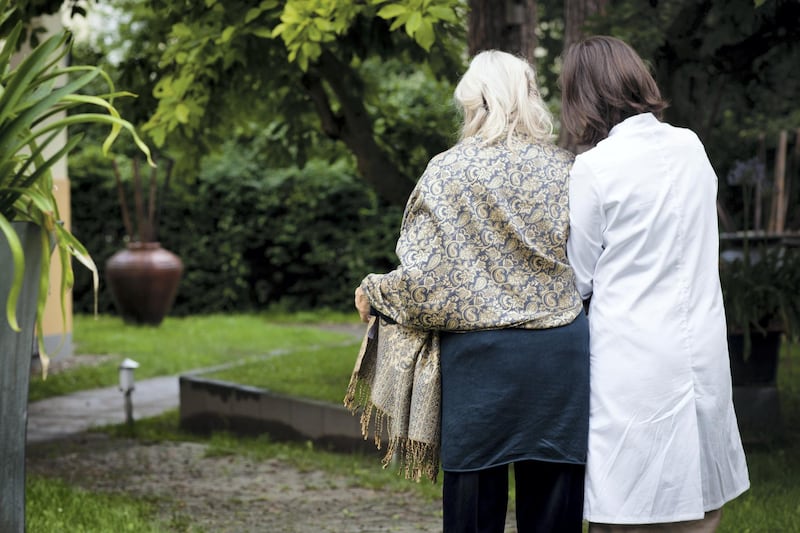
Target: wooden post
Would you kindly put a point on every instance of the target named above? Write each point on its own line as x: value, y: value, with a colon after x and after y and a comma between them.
x: 778, y: 216
x: 758, y: 201
x: 792, y: 174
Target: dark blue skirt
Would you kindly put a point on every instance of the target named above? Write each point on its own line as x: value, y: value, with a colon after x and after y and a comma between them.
x: 515, y: 394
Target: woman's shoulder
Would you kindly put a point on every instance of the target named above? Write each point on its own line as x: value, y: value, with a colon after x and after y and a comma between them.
x: 555, y: 152
x: 547, y: 154
x: 472, y: 150
x: 465, y: 148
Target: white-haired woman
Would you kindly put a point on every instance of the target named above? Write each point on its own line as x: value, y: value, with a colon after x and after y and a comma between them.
x: 483, y: 262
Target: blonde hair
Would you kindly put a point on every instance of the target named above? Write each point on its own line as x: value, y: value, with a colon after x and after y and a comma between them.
x: 498, y: 97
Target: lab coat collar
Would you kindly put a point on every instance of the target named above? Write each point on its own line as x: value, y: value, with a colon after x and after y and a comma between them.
x: 642, y: 120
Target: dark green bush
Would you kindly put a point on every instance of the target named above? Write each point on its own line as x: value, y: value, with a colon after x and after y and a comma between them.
x: 250, y: 237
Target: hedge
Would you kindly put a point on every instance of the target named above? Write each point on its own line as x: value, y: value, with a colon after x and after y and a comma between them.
x: 249, y: 237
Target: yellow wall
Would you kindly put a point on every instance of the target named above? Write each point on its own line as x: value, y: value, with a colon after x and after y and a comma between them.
x: 54, y: 323
x: 57, y: 331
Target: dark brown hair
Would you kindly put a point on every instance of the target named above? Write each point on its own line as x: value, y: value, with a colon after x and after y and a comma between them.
x: 603, y: 82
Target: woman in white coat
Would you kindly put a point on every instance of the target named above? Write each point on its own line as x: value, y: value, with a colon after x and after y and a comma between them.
x: 664, y: 447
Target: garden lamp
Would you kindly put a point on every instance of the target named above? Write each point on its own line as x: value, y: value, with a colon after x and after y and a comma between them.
x: 126, y: 369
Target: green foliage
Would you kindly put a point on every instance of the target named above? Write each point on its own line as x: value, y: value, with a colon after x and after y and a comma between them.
x: 761, y: 287
x: 231, y: 66
x: 415, y: 114
x: 250, y: 236
x: 727, y: 68
x: 308, y: 237
x: 419, y: 18
x: 306, y: 26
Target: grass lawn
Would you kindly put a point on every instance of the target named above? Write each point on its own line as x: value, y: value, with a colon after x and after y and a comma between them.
x: 52, y: 506
x: 181, y: 344
x: 321, y: 374
x: 772, y: 503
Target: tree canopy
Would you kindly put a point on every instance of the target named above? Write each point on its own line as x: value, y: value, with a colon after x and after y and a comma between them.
x: 305, y: 67
x: 375, y: 76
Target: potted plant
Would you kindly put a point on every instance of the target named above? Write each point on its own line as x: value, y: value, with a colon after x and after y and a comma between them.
x: 144, y: 276
x: 34, y: 98
x: 761, y: 285
x: 760, y: 276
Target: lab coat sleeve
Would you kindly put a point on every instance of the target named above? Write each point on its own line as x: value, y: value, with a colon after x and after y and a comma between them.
x: 585, y: 243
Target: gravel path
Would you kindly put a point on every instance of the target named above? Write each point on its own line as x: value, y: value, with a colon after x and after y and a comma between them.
x: 230, y: 494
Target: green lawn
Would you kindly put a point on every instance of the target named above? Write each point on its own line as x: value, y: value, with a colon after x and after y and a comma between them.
x: 181, y: 344
x: 321, y: 374
x: 772, y: 504
x: 53, y: 506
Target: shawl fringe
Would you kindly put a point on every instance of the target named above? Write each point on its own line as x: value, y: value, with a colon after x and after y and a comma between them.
x: 395, y: 385
x: 417, y: 459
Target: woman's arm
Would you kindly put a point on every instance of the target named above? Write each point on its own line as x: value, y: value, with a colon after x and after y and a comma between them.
x: 389, y: 295
x: 585, y: 242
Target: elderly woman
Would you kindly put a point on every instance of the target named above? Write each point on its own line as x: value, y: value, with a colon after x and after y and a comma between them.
x: 483, y: 263
x: 664, y: 446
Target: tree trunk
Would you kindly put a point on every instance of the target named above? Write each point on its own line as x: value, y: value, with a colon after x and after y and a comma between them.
x: 576, y: 13
x: 507, y: 25
x: 353, y: 126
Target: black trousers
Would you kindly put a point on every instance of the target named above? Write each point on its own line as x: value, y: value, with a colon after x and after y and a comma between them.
x: 549, y: 498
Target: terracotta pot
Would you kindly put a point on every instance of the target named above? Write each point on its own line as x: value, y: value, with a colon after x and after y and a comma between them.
x: 144, y: 279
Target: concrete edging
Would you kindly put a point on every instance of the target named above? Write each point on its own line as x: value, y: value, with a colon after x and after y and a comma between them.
x: 208, y: 404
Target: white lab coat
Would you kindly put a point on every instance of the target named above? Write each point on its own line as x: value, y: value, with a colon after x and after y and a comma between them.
x: 664, y: 445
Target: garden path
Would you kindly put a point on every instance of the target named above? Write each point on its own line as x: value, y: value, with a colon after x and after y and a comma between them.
x: 232, y: 494
x: 228, y: 494
x: 195, y: 491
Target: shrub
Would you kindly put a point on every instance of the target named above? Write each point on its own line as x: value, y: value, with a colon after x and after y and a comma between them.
x: 250, y: 237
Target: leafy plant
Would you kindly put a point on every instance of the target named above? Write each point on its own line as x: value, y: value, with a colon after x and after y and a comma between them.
x: 36, y: 94
x: 761, y: 279
x: 761, y: 289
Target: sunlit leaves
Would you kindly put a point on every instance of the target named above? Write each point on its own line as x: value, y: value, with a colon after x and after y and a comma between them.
x: 306, y: 24
x: 418, y: 17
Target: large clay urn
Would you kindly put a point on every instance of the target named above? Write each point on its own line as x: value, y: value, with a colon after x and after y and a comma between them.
x: 144, y: 279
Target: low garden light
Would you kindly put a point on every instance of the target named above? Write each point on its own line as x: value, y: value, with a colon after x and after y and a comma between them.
x: 126, y: 385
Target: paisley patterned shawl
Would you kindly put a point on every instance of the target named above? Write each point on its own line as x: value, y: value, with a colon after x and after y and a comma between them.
x: 483, y: 242
x: 482, y: 246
